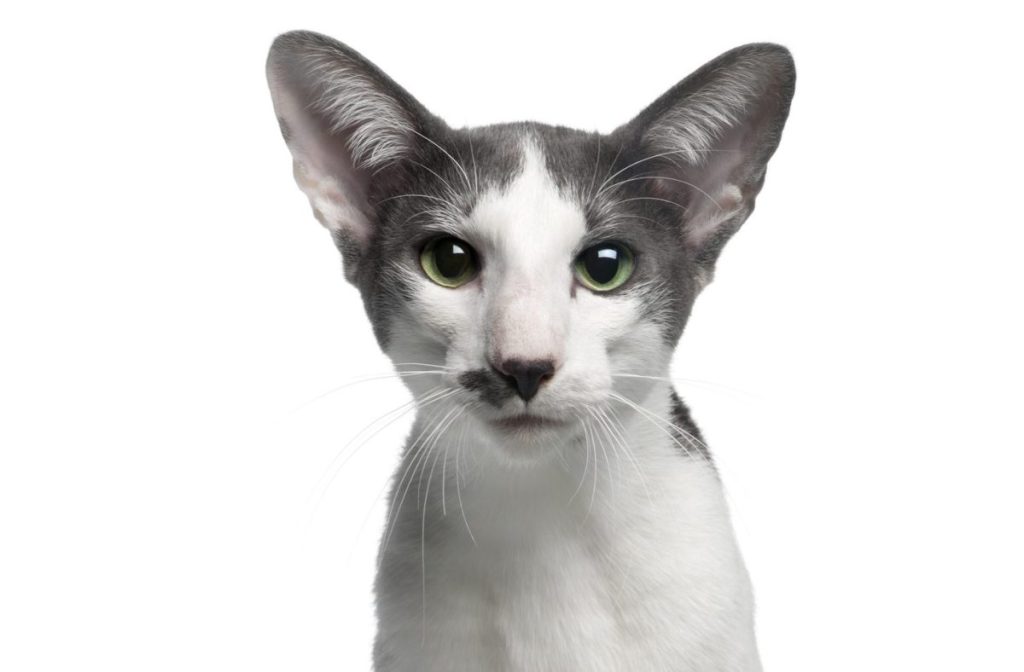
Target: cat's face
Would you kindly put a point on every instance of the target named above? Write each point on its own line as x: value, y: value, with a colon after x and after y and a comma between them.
x: 528, y: 275
x: 529, y: 333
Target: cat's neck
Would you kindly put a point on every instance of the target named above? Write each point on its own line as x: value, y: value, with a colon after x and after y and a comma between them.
x: 608, y: 467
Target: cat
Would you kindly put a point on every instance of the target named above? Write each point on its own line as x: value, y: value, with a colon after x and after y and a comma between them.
x: 555, y: 507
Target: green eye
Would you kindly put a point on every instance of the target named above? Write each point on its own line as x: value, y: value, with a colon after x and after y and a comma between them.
x: 604, y: 267
x: 448, y: 261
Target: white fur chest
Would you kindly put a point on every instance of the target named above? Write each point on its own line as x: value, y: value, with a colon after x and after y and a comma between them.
x: 639, y: 571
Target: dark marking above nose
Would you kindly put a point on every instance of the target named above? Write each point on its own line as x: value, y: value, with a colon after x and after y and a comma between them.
x: 526, y: 375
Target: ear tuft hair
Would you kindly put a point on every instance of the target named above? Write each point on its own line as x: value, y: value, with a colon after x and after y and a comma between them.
x: 346, y: 93
x: 710, y: 138
x: 349, y: 127
x: 720, y: 96
x: 378, y: 128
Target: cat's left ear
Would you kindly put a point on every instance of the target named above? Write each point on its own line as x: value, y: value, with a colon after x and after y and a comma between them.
x: 711, y: 136
x: 350, y: 129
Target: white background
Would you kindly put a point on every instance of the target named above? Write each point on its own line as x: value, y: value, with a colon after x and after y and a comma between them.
x: 171, y: 315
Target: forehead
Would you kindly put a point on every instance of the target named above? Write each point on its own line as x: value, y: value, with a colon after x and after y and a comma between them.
x: 531, y: 213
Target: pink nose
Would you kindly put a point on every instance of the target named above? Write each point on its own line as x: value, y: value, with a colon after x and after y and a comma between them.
x: 526, y: 375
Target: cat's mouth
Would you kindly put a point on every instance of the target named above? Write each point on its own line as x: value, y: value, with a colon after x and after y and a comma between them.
x: 527, y: 421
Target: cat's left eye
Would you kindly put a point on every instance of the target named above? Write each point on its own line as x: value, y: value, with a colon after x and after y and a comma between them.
x: 448, y: 261
x: 604, y: 267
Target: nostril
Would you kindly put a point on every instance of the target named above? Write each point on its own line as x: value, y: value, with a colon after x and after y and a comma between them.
x: 526, y: 375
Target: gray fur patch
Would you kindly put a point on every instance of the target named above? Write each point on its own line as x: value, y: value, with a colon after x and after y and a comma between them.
x: 686, y: 431
x: 491, y: 387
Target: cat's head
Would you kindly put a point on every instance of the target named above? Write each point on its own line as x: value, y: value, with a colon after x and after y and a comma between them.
x: 539, y: 272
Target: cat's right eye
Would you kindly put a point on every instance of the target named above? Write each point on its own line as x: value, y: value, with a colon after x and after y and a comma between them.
x: 449, y: 262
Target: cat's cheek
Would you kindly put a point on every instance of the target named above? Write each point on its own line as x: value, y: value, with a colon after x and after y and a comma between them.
x: 448, y: 313
x: 597, y: 324
x: 442, y: 327
x: 605, y: 316
x: 585, y: 377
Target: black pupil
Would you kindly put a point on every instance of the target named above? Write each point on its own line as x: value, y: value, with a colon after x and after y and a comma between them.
x: 602, y: 263
x: 451, y: 257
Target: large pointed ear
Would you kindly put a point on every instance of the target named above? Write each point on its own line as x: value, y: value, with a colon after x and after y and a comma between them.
x: 711, y: 137
x: 348, y: 126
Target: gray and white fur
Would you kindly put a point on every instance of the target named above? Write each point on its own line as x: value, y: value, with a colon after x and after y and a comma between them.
x: 555, y: 507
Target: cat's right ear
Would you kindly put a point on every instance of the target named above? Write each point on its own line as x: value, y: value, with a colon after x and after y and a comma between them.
x: 349, y: 127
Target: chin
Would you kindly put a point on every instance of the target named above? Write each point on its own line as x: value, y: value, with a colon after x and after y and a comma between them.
x: 526, y: 439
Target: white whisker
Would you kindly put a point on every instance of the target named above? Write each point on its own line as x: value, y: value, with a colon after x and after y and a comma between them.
x: 365, y: 379
x: 693, y: 382
x: 427, y: 196
x: 458, y: 483
x: 586, y: 465
x: 597, y: 163
x: 423, y: 515
x: 600, y: 424
x: 587, y: 431
x: 657, y: 156
x: 335, y: 467
x: 654, y: 419
x: 661, y: 177
x: 476, y: 176
x: 458, y: 164
x: 619, y: 430
x: 652, y: 198
x: 452, y: 191
x: 414, y: 453
x: 425, y: 365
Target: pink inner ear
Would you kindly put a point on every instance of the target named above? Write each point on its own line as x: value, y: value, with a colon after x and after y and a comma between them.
x: 714, y: 188
x: 323, y: 168
x: 710, y: 212
x: 719, y: 127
